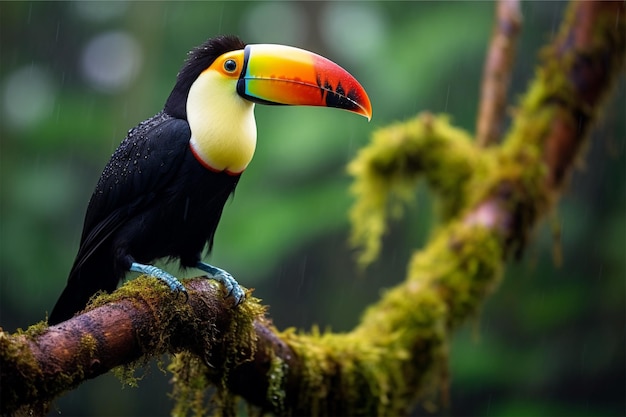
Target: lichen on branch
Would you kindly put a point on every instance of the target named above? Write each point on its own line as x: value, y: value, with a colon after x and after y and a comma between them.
x: 387, y: 170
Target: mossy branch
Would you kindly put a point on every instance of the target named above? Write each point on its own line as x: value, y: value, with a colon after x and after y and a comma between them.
x: 141, y: 320
x: 550, y: 128
x: 490, y: 199
x: 387, y: 171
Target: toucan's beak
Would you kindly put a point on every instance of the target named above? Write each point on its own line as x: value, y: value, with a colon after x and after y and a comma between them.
x: 277, y: 74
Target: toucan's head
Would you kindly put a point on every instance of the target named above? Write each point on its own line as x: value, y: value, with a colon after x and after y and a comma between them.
x: 222, y: 79
x: 271, y: 74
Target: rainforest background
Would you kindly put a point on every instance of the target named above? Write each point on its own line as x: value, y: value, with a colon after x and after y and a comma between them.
x: 74, y: 77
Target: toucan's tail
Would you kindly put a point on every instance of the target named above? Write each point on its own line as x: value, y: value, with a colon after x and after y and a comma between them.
x: 82, y: 284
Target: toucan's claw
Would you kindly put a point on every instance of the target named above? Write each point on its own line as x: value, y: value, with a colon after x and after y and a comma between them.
x: 230, y: 284
x: 158, y: 273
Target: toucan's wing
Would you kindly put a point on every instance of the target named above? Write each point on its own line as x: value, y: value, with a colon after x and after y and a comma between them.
x: 147, y: 160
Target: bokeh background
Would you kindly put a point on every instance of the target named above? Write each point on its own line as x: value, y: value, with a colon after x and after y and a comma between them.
x: 74, y: 77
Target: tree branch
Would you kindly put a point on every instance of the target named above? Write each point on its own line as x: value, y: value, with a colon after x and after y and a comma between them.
x: 578, y: 72
x: 140, y: 320
x: 497, y: 72
x: 582, y: 67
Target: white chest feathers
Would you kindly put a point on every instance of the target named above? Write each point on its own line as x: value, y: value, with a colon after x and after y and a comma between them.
x: 223, y: 129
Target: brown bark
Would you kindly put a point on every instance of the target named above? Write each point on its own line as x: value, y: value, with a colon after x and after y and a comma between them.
x: 591, y: 52
x: 497, y: 72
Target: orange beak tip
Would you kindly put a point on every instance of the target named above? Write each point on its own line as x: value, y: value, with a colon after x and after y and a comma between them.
x: 368, y: 114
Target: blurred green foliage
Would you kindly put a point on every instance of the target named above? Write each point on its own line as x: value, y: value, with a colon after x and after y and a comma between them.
x: 551, y: 341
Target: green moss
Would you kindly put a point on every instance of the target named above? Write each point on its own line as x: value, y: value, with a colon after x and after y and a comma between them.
x: 399, y: 352
x: 380, y: 367
x: 463, y: 263
x: 127, y: 373
x: 276, y: 377
x: 88, y: 345
x: 143, y: 289
x: 35, y: 330
x: 16, y: 355
x: 386, y: 173
x: 192, y: 377
x: 396, y: 355
x: 190, y: 385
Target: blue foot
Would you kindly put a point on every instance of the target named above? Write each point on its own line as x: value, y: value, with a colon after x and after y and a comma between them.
x: 230, y: 283
x: 153, y: 271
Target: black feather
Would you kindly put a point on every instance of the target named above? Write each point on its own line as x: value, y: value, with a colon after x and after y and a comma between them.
x: 153, y: 200
x: 198, y: 59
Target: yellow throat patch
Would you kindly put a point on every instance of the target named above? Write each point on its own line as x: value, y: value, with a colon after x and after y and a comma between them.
x: 223, y: 129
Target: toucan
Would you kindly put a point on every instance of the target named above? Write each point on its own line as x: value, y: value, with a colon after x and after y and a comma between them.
x: 162, y: 192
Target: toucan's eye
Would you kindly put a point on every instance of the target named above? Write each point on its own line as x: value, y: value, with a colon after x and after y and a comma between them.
x: 230, y: 65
